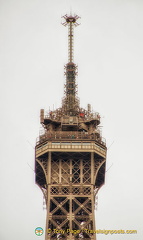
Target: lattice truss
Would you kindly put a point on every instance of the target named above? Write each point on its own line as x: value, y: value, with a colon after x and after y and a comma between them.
x: 60, y: 210
x: 68, y: 168
x: 71, y: 168
x: 70, y: 191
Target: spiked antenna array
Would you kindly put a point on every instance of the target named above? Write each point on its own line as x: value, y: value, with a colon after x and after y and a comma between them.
x: 71, y: 21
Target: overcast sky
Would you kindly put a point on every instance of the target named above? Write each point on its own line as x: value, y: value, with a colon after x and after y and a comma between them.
x: 109, y: 54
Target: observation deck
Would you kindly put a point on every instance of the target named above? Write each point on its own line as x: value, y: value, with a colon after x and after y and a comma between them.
x: 80, y: 146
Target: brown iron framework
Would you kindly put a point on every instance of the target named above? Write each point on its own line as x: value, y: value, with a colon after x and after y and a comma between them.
x: 70, y: 161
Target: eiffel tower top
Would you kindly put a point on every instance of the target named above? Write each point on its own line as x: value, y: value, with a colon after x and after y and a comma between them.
x: 70, y: 119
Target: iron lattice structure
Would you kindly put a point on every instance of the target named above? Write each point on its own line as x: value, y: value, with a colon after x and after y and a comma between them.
x: 70, y: 160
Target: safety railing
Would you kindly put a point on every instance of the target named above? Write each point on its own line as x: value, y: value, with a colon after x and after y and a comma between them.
x: 71, y: 136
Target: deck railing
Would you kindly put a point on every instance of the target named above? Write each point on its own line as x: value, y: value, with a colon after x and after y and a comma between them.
x: 71, y: 136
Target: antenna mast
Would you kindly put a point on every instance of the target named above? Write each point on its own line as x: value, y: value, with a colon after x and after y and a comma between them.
x: 71, y: 21
x: 70, y: 101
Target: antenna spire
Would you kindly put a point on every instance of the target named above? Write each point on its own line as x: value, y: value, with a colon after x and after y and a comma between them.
x: 71, y: 21
x: 70, y: 101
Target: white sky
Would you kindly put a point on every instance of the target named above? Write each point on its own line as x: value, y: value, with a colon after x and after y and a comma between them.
x: 109, y: 54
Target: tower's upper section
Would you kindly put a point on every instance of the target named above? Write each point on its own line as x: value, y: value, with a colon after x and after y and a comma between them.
x: 71, y: 119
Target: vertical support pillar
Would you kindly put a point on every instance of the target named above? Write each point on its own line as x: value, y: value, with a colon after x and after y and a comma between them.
x: 48, y: 193
x: 92, y: 168
x: 92, y: 190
